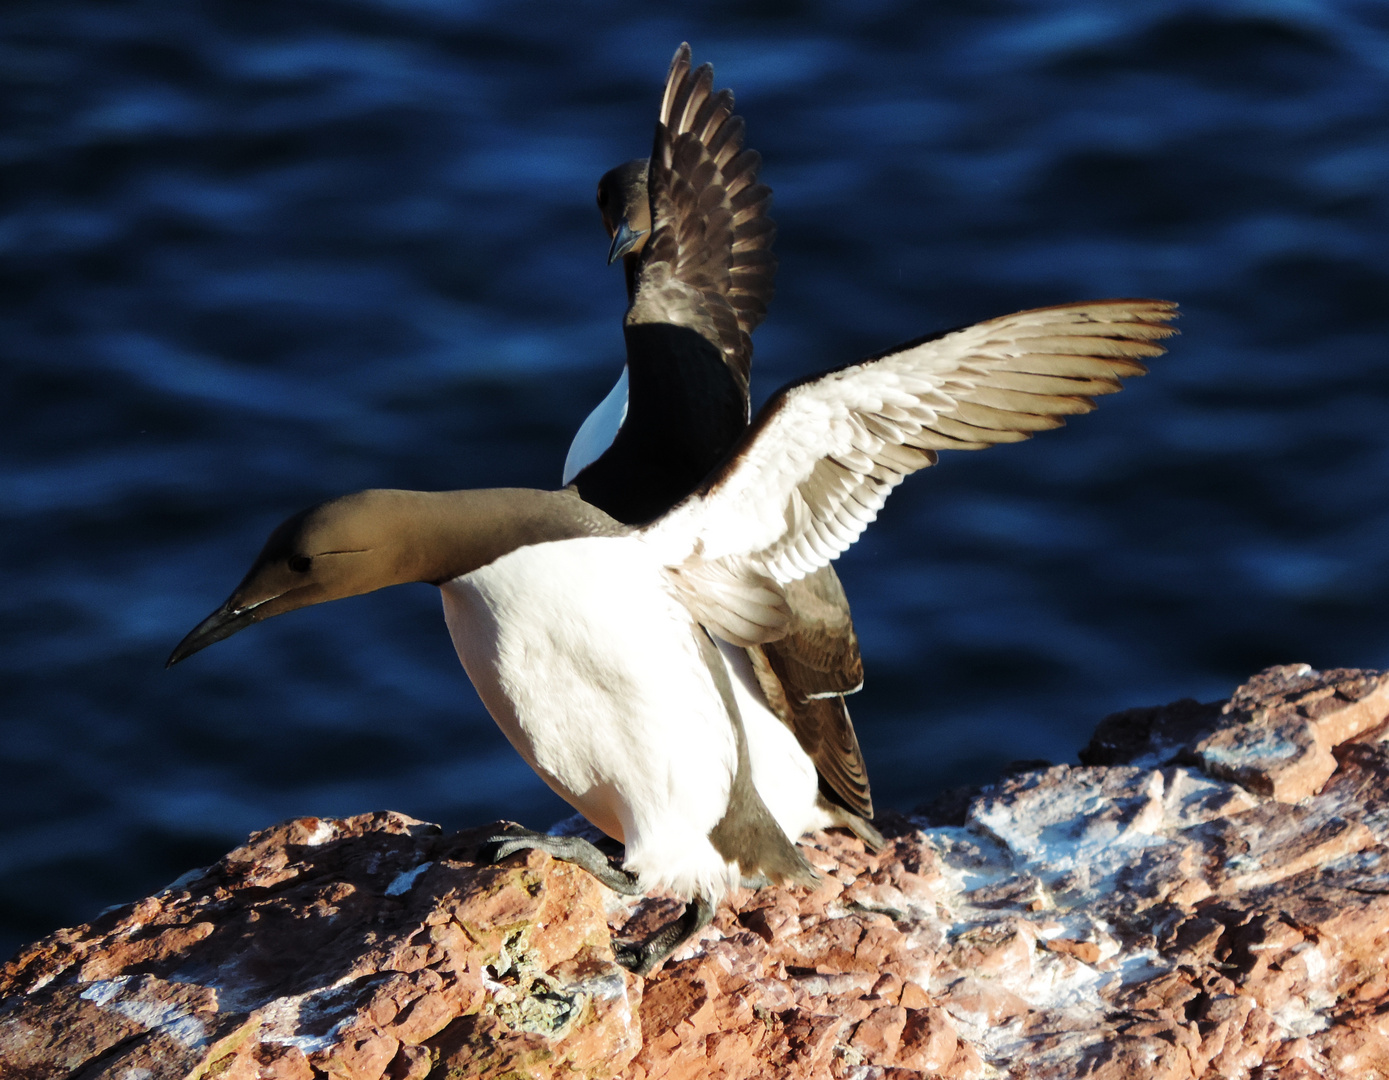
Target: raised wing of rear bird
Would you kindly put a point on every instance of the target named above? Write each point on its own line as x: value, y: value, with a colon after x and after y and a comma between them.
x: 820, y: 459
x: 708, y: 264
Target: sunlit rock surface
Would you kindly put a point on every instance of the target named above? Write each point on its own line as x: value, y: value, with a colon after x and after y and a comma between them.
x: 1208, y: 896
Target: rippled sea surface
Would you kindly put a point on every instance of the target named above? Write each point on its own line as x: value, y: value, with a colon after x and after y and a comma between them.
x: 256, y: 255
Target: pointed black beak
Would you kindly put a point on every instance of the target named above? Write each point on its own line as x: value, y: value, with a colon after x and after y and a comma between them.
x: 624, y: 240
x: 222, y: 623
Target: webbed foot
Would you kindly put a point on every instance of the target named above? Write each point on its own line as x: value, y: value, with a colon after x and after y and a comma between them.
x: 646, y: 957
x: 570, y: 849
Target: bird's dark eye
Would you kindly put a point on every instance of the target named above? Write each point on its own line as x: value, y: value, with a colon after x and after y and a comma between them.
x: 300, y: 563
x: 602, y: 197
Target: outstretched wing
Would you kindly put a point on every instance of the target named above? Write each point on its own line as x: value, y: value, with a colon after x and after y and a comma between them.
x: 820, y: 459
x: 708, y: 264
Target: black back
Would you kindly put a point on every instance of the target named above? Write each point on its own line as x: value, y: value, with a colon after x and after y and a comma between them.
x: 685, y: 411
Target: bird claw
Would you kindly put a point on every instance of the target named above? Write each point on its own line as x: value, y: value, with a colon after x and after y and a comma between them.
x: 638, y: 959
x: 570, y: 849
x: 496, y: 848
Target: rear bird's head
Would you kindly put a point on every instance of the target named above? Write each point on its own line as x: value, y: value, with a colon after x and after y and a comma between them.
x: 626, y: 208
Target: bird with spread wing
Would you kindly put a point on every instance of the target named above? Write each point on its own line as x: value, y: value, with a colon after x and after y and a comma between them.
x: 612, y: 654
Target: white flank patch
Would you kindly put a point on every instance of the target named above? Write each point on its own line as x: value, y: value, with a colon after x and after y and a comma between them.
x: 597, y: 432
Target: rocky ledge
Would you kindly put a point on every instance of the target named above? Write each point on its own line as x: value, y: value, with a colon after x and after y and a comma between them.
x: 1206, y: 896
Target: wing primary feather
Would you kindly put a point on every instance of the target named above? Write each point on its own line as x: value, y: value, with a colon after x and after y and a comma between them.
x: 985, y: 416
x: 706, y: 266
x: 679, y: 67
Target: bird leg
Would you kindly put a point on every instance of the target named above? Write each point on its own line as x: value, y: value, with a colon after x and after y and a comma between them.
x: 863, y: 829
x: 640, y: 959
x: 570, y: 849
x: 645, y: 958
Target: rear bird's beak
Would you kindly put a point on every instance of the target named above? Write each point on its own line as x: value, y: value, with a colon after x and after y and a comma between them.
x: 222, y: 623
x: 624, y: 240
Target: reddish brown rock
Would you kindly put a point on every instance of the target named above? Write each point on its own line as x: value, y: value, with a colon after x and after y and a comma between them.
x: 361, y: 948
x: 1275, y: 736
x: 1162, y: 911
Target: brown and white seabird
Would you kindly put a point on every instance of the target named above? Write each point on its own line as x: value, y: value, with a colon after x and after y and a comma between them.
x: 700, y: 221
x: 594, y: 643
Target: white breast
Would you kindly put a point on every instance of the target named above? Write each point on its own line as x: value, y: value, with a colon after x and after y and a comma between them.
x: 592, y: 669
x: 597, y: 432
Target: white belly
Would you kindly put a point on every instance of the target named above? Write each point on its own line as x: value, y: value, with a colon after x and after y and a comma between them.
x: 592, y: 670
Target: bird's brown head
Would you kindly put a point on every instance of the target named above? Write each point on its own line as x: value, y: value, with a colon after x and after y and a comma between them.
x: 366, y: 541
x: 626, y: 208
x: 344, y: 547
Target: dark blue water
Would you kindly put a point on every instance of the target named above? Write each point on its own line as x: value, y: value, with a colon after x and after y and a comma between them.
x: 254, y: 255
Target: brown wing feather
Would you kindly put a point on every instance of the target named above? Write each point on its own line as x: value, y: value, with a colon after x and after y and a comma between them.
x: 804, y: 677
x: 823, y: 729
x: 820, y: 654
x: 708, y: 263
